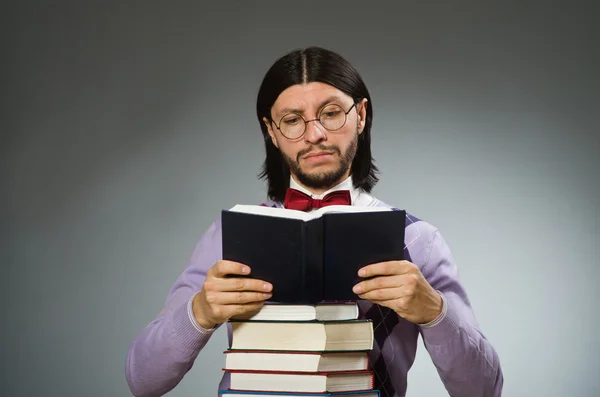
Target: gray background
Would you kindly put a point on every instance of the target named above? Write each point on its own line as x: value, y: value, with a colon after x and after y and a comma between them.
x: 127, y: 126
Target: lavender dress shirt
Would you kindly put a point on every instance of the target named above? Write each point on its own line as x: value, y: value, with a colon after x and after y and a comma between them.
x: 467, y: 363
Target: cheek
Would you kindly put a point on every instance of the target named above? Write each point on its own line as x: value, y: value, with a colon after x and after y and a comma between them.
x: 289, y: 149
x: 343, y: 141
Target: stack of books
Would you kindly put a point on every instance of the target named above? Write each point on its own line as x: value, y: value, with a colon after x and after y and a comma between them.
x: 287, y: 350
x: 309, y: 337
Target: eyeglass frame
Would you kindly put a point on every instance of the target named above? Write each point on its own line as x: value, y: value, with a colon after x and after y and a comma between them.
x: 317, y: 119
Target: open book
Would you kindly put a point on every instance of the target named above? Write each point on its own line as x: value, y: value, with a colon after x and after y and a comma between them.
x: 311, y: 257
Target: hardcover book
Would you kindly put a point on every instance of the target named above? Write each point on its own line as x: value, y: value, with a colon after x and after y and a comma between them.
x: 245, y: 393
x: 311, y: 257
x: 303, y: 382
x: 272, y: 311
x: 320, y: 336
x: 296, y: 361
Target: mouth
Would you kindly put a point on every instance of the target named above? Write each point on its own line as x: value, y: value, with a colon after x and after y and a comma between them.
x: 317, y: 155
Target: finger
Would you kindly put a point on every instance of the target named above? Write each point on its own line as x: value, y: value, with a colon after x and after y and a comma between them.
x: 379, y: 282
x: 224, y: 268
x: 237, y: 284
x: 236, y: 298
x: 385, y: 268
x: 225, y: 312
x: 246, y: 284
x: 389, y: 294
x: 380, y: 295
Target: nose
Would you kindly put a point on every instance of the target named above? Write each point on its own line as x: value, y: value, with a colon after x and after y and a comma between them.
x: 315, y: 132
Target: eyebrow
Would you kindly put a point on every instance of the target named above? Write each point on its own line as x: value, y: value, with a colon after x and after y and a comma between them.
x: 323, y: 103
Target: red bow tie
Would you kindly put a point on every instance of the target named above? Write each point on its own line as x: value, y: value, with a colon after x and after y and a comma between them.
x: 297, y: 200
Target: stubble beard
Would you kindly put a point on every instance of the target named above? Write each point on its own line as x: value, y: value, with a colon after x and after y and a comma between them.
x: 323, y: 180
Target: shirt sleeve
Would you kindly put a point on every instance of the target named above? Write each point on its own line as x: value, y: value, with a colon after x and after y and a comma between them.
x: 165, y: 350
x: 466, y: 361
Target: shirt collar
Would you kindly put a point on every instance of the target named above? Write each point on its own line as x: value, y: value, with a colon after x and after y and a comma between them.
x: 359, y: 197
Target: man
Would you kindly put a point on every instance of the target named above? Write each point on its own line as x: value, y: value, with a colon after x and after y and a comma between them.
x: 315, y: 113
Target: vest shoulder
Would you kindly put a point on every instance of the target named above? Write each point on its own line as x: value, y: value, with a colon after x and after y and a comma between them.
x: 410, y: 217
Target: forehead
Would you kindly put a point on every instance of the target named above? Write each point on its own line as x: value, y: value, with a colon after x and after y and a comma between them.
x: 305, y: 98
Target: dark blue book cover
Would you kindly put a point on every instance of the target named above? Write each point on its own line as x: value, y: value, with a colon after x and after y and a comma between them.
x: 312, y: 260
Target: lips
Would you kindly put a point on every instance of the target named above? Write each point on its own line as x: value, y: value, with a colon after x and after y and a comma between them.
x: 316, y: 154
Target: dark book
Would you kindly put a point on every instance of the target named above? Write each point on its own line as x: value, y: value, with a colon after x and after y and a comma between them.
x: 311, y: 257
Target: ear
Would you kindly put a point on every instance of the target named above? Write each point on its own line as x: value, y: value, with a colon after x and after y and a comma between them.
x: 361, y: 108
x: 271, y: 133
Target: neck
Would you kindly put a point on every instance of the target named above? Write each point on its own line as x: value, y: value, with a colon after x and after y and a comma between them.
x: 321, y: 189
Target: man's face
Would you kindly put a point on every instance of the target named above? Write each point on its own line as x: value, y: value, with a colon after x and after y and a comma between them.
x: 320, y: 158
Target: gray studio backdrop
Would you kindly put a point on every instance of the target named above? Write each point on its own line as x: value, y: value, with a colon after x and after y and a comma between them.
x: 127, y: 126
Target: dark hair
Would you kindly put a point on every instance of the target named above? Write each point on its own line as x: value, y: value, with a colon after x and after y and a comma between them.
x: 313, y: 64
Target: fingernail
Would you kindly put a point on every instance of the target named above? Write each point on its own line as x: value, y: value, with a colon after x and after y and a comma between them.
x: 266, y: 287
x: 356, y: 289
x: 361, y: 272
x: 245, y: 269
x: 267, y: 295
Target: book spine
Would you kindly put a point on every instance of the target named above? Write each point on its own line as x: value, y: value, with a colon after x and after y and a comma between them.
x: 312, y: 248
x: 304, y: 260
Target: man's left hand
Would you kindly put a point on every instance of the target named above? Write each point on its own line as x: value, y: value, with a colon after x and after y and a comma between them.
x: 401, y: 286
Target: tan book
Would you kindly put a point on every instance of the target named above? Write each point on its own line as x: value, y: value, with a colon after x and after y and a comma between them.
x: 246, y: 393
x: 348, y: 335
x: 320, y: 312
x: 296, y: 361
x: 299, y: 382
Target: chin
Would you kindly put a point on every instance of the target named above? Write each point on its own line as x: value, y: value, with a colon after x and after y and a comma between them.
x: 323, y: 177
x: 331, y: 163
x: 319, y: 170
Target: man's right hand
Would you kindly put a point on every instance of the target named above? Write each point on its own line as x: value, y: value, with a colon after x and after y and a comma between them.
x: 223, y: 296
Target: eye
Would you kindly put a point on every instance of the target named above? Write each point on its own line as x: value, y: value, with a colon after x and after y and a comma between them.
x: 291, y: 120
x: 332, y: 114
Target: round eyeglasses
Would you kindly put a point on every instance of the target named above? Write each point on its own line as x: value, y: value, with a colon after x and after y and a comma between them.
x: 332, y: 117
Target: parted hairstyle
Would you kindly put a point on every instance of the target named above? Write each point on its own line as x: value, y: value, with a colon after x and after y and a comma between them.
x: 313, y: 64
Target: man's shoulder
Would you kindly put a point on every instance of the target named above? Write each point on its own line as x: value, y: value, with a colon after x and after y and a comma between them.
x: 214, y: 229
x: 412, y: 221
x: 271, y: 203
x: 418, y: 234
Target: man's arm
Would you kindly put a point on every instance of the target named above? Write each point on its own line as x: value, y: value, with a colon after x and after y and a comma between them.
x: 165, y: 350
x: 466, y: 361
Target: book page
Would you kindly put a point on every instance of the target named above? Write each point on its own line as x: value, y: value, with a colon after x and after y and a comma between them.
x: 270, y: 211
x: 305, y: 216
x: 345, y: 209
